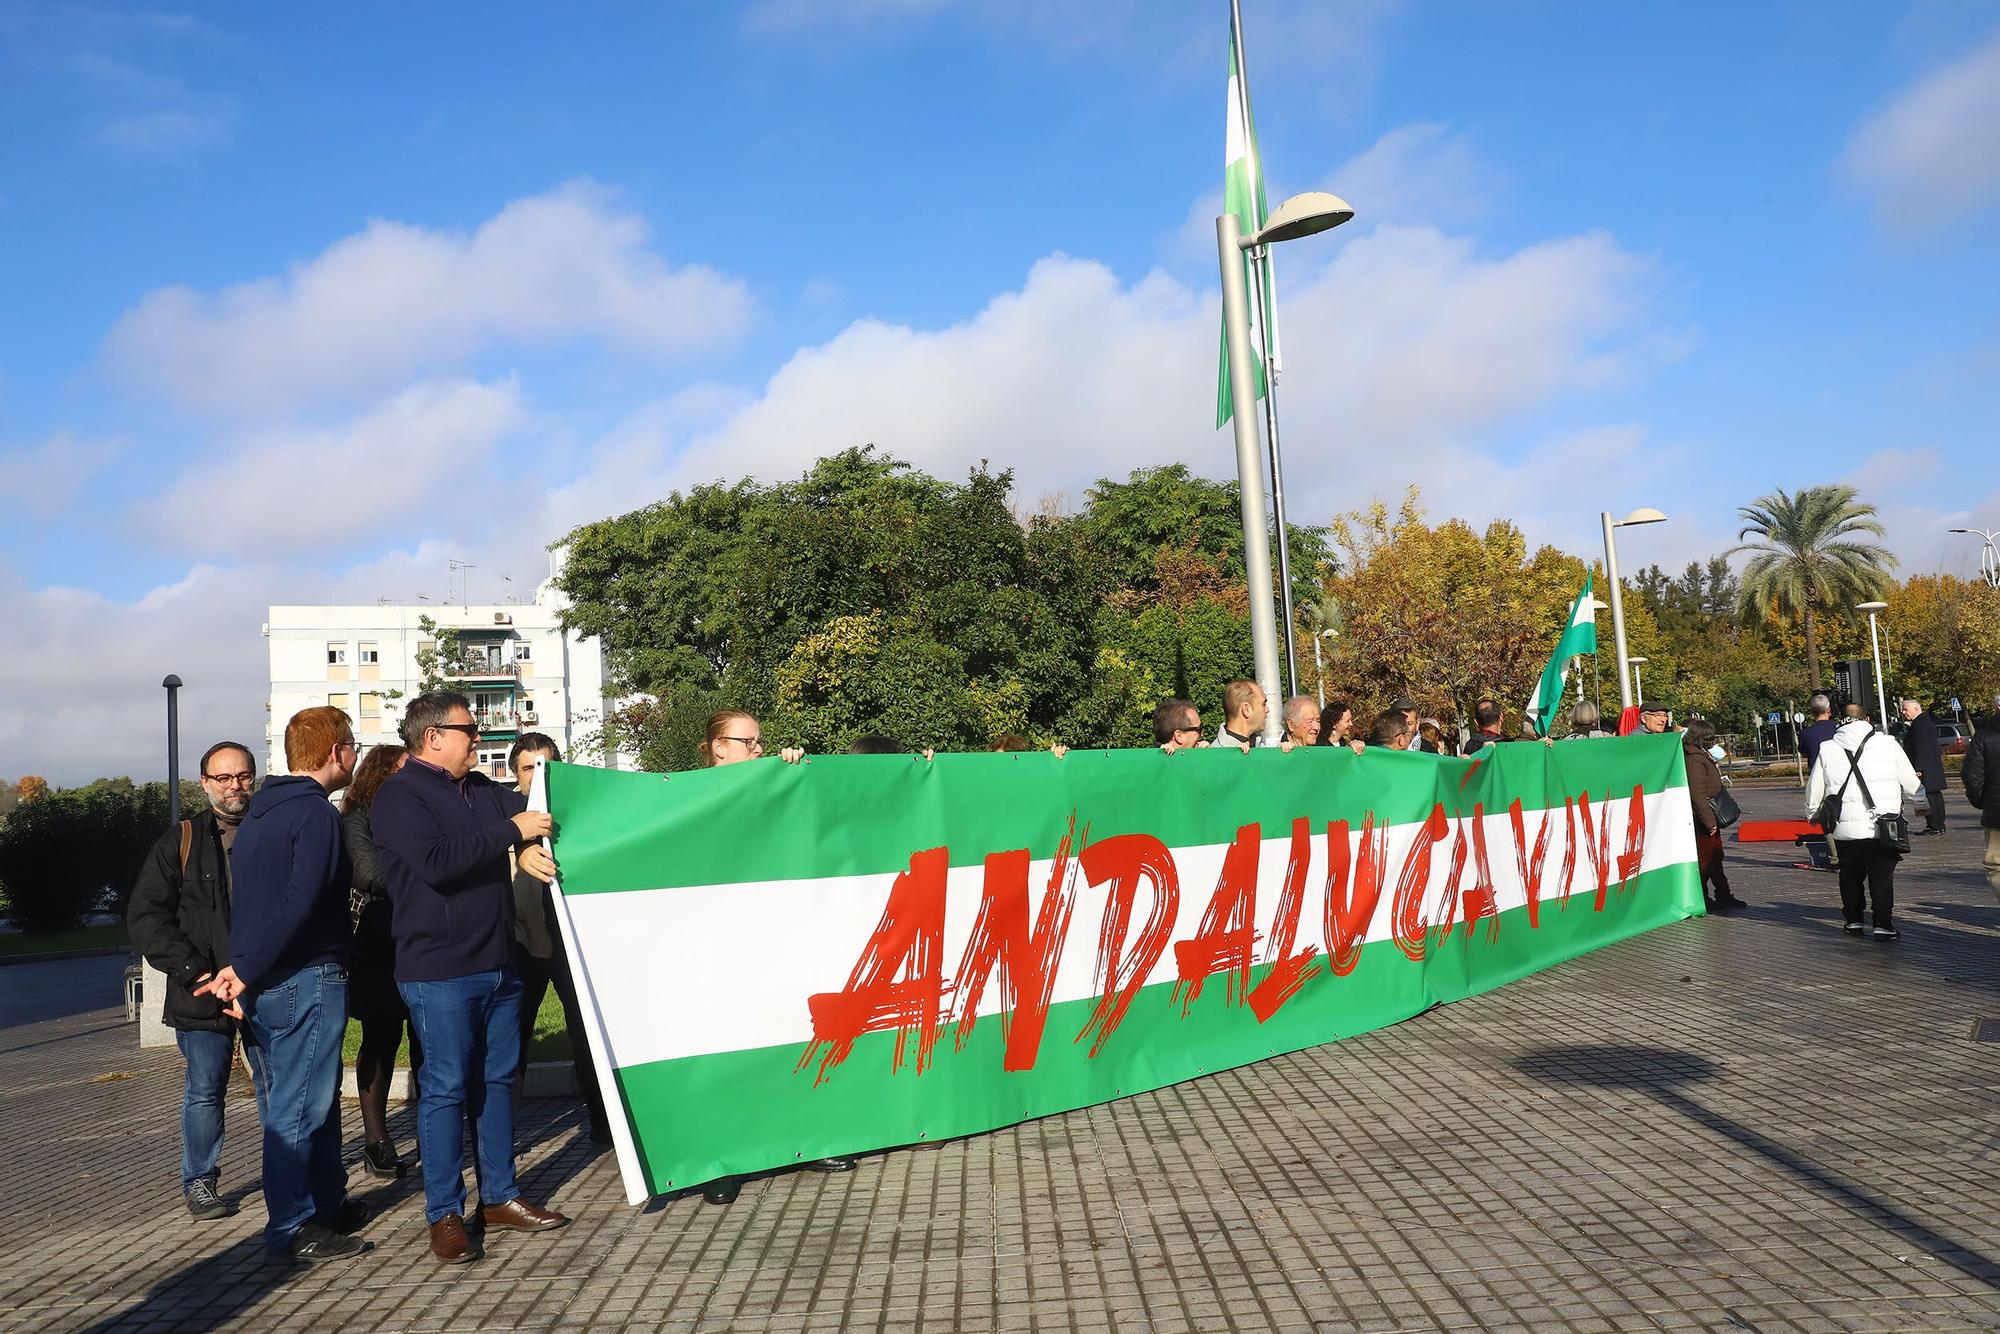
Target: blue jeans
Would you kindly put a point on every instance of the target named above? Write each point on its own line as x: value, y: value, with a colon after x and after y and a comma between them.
x: 298, y: 1022
x: 470, y: 1028
x: 208, y: 1057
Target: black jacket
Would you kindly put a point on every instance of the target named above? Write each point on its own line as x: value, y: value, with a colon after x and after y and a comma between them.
x: 1920, y: 743
x: 1982, y: 772
x: 181, y: 922
x: 443, y: 846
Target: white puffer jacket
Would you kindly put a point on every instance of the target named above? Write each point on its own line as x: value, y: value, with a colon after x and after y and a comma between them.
x: 1884, y: 768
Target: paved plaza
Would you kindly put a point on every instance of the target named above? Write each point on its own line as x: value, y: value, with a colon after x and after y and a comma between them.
x: 1747, y: 1123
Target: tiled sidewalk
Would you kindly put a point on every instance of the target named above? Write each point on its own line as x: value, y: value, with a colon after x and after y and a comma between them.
x: 1751, y: 1123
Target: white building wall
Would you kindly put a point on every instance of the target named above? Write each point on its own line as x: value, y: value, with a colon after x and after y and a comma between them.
x: 320, y: 655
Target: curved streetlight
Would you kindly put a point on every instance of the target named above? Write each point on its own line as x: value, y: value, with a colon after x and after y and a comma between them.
x: 1302, y: 215
x: 1989, y: 555
x: 1636, y: 517
x: 1875, y: 643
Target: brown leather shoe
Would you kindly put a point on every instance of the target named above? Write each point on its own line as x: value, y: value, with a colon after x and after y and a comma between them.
x: 517, y: 1215
x: 449, y: 1242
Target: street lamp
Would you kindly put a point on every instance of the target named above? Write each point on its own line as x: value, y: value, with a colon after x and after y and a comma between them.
x: 1302, y: 215
x: 1989, y: 555
x: 1319, y: 667
x: 1633, y: 519
x: 1875, y: 643
x: 172, y: 686
x: 1638, y: 680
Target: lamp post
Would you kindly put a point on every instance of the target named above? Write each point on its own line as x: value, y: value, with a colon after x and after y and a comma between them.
x: 173, y: 687
x: 1301, y: 215
x: 1638, y: 680
x: 1875, y: 643
x: 1989, y: 555
x: 1636, y: 517
x: 1319, y: 667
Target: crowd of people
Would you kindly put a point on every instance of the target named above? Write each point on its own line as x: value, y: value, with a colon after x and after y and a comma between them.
x: 420, y: 908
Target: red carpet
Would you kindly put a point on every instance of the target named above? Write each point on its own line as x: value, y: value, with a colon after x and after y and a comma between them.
x: 1774, y: 831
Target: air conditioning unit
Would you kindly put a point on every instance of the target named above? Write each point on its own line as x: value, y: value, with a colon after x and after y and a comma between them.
x: 502, y: 618
x: 528, y: 717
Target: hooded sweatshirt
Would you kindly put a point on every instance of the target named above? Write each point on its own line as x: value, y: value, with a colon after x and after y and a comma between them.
x: 290, y: 874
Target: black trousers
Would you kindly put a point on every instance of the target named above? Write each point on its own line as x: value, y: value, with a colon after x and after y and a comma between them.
x: 1867, y: 869
x: 537, y: 976
x: 1934, y: 793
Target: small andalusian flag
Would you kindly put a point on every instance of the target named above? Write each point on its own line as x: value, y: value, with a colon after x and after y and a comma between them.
x: 1579, y: 636
x: 1243, y: 195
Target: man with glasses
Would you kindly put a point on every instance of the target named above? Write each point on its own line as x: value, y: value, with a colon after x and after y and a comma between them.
x: 178, y: 918
x: 287, y: 977
x: 443, y: 831
x: 1177, y: 725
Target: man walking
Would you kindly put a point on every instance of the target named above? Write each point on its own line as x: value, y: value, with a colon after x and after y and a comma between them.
x: 178, y: 918
x: 287, y: 967
x: 1819, y: 731
x: 443, y: 832
x: 1982, y: 786
x: 1920, y: 743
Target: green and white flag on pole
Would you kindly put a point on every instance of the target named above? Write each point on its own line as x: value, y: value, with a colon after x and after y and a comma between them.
x: 1243, y: 195
x: 1579, y: 636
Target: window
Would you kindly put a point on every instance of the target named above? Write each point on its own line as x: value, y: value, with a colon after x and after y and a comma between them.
x: 337, y: 699
x: 370, y: 654
x: 427, y: 646
x: 521, y: 651
x: 336, y: 655
x: 494, y: 761
x: 371, y: 704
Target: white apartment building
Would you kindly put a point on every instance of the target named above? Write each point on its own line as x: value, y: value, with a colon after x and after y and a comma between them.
x: 521, y: 671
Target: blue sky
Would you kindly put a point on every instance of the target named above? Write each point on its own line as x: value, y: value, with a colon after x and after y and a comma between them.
x: 301, y: 304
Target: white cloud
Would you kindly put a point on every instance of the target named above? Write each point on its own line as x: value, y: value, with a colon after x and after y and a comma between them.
x: 1419, y: 173
x: 395, y: 301
x: 166, y: 132
x: 1405, y: 352
x: 43, y: 479
x: 1932, y: 155
x: 413, y: 459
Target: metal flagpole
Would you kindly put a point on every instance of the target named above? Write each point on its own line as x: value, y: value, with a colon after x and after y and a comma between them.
x: 1260, y: 265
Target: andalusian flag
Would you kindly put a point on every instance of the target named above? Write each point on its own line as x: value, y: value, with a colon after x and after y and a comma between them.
x: 1579, y: 637
x: 1243, y: 195
x: 781, y: 962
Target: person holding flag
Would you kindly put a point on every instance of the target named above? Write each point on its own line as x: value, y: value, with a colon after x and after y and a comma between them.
x: 1579, y: 637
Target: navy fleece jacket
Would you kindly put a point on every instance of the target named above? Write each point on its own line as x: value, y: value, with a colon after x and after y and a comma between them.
x: 443, y: 842
x: 289, y: 874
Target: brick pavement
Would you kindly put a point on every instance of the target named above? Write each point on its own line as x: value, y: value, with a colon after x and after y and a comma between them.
x: 1746, y: 1123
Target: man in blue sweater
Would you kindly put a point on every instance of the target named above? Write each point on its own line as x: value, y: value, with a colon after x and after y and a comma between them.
x: 287, y: 979
x: 443, y: 832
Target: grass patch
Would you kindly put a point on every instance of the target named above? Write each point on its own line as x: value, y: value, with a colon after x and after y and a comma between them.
x: 550, y: 1043
x: 21, y: 944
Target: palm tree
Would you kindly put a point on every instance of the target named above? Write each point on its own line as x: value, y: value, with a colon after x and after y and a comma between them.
x: 1806, y: 557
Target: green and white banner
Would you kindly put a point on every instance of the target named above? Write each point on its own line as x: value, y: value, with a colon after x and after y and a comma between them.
x: 786, y: 962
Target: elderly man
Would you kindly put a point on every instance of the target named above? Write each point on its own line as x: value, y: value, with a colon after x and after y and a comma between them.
x: 1302, y: 720
x: 443, y: 832
x: 288, y: 971
x: 1920, y: 743
x: 179, y: 919
x: 1654, y: 717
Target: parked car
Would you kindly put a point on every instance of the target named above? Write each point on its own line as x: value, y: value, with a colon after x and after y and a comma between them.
x: 1951, y: 739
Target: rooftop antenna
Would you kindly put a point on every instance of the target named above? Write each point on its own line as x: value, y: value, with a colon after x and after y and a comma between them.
x: 459, y: 567
x: 507, y: 583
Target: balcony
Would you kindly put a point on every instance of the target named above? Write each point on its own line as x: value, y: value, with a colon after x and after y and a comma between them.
x: 481, y: 667
x: 497, y: 720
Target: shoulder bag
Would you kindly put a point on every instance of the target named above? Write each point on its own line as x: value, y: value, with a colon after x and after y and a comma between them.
x: 1893, y: 831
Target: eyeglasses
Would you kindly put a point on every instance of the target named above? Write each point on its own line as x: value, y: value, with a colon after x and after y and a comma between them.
x: 747, y: 742
x: 470, y: 729
x: 230, y: 780
x: 1179, y: 730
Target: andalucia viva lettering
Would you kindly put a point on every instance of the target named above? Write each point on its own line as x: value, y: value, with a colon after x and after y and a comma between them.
x: 786, y: 962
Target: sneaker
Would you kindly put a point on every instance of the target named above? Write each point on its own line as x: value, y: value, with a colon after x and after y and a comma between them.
x: 1854, y: 928
x: 313, y: 1244
x: 1885, y: 933
x: 204, y: 1203
x: 379, y: 1160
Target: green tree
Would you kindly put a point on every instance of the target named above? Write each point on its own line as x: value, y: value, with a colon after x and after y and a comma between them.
x: 76, y: 851
x: 1806, y: 558
x: 434, y: 664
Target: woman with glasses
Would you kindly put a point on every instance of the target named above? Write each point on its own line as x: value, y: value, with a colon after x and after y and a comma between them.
x: 372, y: 998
